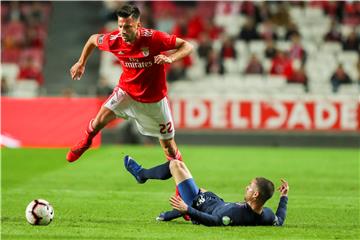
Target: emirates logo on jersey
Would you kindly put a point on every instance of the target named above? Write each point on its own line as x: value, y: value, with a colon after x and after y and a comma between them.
x: 145, y: 51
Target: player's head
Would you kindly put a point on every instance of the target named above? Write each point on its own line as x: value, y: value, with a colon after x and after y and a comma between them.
x: 128, y: 22
x: 260, y: 190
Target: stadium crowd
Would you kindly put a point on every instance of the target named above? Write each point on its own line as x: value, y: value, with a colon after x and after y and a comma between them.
x: 24, y: 33
x: 309, y: 43
x: 261, y: 39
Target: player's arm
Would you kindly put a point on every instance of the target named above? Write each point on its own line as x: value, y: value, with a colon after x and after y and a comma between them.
x: 204, y: 218
x: 196, y: 215
x: 182, y: 49
x: 281, y: 210
x: 78, y: 69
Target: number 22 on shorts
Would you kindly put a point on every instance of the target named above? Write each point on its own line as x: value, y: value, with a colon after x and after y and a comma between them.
x: 166, y: 128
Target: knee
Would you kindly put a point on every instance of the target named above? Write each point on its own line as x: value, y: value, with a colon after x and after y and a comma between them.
x: 103, y: 118
x: 176, y: 165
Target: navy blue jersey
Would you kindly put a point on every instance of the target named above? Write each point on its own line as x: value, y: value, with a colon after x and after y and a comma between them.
x: 210, y: 210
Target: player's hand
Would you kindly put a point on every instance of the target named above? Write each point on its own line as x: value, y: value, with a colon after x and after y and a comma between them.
x: 162, y: 59
x: 76, y: 71
x: 284, y: 188
x: 177, y: 203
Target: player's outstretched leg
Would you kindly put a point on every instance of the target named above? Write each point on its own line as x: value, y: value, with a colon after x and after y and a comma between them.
x: 85, y: 143
x: 104, y: 116
x: 160, y: 172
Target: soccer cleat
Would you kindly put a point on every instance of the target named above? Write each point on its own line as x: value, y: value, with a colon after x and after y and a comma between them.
x: 160, y: 218
x: 77, y: 150
x: 134, y: 168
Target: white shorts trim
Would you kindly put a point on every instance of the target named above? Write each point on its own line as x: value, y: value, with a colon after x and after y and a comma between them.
x: 152, y: 119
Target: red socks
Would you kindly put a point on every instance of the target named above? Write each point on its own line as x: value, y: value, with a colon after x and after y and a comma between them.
x: 177, y: 156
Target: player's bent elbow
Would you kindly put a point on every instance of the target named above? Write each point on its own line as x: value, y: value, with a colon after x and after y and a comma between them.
x: 93, y: 39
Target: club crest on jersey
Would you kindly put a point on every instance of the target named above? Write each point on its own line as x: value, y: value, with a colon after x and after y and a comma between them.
x: 101, y: 39
x: 145, y: 51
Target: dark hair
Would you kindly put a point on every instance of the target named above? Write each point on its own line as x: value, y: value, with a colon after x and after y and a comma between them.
x: 128, y: 10
x: 265, y: 187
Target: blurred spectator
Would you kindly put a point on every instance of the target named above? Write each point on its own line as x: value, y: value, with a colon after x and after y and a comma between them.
x: 334, y: 9
x: 291, y: 29
x: 247, y: 8
x: 268, y: 31
x: 351, y: 43
x: 35, y: 12
x: 298, y: 76
x: 296, y: 50
x: 248, y: 31
x: 228, y: 49
x: 205, y: 45
x: 180, y: 28
x: 254, y: 66
x: 339, y: 77
x: 281, y: 15
x: 351, y: 13
x: 270, y: 49
x: 11, y: 55
x: 103, y: 88
x: 189, y: 26
x: 14, y: 12
x: 281, y: 65
x: 13, y: 34
x: 30, y: 70
x: 33, y: 38
x: 214, y: 63
x: 4, y: 86
x: 165, y: 22
x: 176, y: 71
x: 262, y: 11
x: 212, y: 30
x: 227, y: 8
x: 195, y: 25
x: 334, y: 34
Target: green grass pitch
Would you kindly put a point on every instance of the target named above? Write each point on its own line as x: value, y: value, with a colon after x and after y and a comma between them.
x: 95, y: 198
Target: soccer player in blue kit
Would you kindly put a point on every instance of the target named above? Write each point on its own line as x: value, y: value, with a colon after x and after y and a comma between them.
x: 207, y: 208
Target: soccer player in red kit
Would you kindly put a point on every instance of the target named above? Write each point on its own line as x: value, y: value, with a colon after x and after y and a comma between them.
x: 141, y: 92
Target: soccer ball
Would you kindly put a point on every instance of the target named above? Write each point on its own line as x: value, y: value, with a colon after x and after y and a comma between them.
x: 39, y: 212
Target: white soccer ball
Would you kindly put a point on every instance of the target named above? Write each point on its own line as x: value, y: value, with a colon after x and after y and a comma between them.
x: 39, y: 212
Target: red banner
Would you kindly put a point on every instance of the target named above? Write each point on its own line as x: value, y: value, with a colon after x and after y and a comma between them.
x: 46, y: 122
x: 60, y: 122
x: 264, y: 114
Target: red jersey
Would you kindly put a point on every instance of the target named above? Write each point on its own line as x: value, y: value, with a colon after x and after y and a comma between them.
x: 141, y: 78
